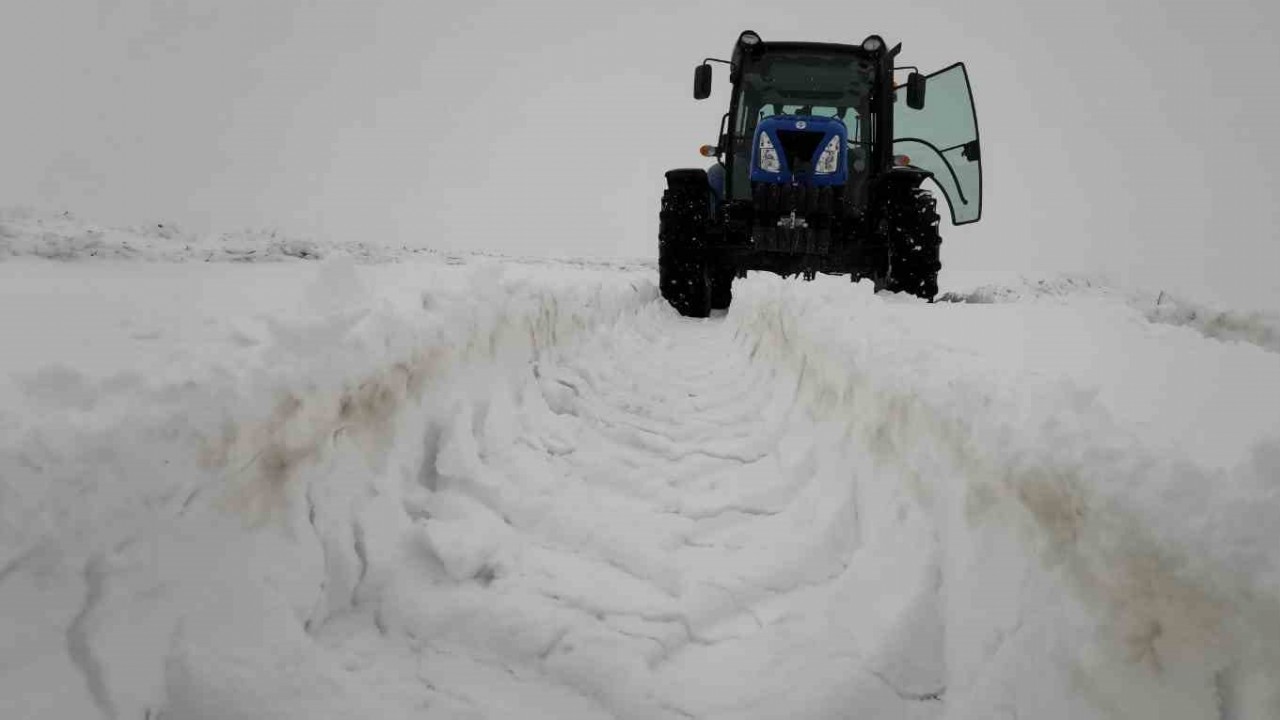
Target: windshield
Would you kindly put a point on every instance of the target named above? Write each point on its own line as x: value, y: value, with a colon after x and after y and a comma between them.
x: 801, y: 83
x: 942, y: 137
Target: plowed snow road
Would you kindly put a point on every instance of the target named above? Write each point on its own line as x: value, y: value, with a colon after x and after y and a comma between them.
x: 660, y: 522
x: 531, y: 490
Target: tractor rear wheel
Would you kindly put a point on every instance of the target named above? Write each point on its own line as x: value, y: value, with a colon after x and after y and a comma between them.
x: 683, y: 276
x: 914, y: 243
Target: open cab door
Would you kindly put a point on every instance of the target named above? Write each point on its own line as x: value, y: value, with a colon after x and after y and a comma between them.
x: 942, y: 137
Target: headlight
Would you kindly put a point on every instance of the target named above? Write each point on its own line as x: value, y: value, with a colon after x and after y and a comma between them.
x: 829, y: 160
x: 767, y: 158
x: 873, y: 44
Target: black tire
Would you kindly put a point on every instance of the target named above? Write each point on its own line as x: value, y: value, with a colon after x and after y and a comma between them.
x: 721, y: 288
x: 914, y: 243
x: 682, y: 267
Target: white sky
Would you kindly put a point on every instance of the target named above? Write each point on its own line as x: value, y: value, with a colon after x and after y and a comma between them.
x: 1129, y: 137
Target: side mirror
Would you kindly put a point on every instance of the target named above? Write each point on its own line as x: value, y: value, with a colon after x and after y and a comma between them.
x: 702, y: 82
x: 915, y: 91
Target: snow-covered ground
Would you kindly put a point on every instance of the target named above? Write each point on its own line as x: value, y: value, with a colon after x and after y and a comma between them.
x: 376, y: 484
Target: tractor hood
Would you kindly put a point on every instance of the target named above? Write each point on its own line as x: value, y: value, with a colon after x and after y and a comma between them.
x: 801, y: 150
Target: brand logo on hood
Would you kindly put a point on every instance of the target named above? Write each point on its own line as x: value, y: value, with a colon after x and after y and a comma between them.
x: 800, y: 124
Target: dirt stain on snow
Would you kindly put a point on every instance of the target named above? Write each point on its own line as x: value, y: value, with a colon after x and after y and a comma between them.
x: 1058, y: 508
x: 267, y: 456
x: 278, y: 449
x: 1156, y: 612
x: 1158, y: 615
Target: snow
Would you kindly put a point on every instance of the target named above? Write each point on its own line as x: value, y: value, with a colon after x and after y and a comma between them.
x: 342, y: 484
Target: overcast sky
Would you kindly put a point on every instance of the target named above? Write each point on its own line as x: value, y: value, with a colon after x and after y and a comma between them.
x: 1134, y: 138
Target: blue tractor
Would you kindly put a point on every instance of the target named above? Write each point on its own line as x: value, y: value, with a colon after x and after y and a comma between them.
x: 821, y: 165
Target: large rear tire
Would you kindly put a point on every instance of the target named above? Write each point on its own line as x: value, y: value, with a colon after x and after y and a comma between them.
x: 683, y: 277
x: 914, y: 243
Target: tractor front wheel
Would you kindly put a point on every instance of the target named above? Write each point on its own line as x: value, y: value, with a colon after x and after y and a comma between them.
x: 683, y: 275
x: 914, y: 243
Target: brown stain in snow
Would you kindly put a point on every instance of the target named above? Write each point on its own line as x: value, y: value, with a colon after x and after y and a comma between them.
x: 265, y: 457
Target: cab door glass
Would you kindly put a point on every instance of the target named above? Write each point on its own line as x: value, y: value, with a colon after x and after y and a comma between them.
x: 942, y: 138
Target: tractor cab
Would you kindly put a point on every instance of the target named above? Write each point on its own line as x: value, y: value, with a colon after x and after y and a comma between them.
x: 785, y: 94
x: 821, y: 161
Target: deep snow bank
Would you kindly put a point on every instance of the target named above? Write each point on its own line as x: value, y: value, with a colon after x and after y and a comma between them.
x: 1258, y: 327
x: 1103, y: 492
x: 197, y: 481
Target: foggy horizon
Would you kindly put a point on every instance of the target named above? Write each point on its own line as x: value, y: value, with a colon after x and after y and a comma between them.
x: 1127, y: 141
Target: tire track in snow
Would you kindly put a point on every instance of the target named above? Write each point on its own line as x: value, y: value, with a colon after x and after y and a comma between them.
x: 79, y: 647
x: 656, y: 488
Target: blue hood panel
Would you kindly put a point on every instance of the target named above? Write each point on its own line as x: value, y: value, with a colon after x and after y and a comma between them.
x: 827, y: 127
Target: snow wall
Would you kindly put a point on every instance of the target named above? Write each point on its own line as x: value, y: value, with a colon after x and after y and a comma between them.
x: 171, y: 538
x: 1084, y: 570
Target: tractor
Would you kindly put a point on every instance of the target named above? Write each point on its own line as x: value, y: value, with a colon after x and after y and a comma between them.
x: 821, y: 165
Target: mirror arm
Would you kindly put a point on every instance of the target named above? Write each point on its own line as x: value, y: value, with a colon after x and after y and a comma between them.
x: 702, y: 77
x: 912, y: 68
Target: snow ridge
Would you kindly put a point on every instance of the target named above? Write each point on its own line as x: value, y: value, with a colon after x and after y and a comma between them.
x: 235, y: 502
x: 1118, y: 553
x: 1257, y: 327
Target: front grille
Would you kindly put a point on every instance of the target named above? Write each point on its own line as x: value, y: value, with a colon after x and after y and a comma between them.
x: 794, y: 219
x: 799, y: 147
x: 772, y: 200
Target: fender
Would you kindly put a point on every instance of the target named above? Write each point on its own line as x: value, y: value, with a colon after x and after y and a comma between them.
x: 912, y: 177
x: 697, y: 180
x: 691, y: 178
